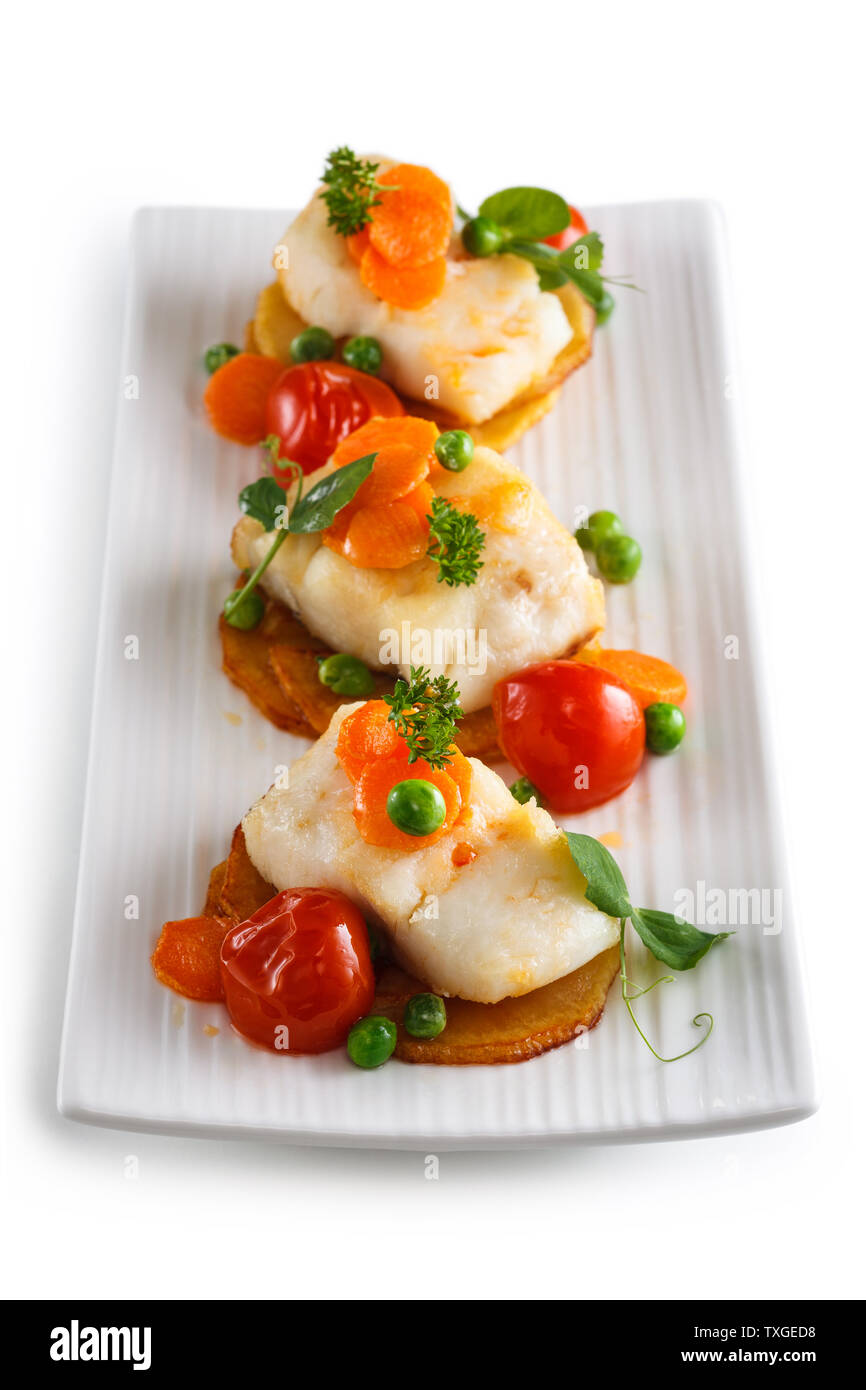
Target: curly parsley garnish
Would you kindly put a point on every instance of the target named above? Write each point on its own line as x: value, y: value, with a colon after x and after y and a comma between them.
x: 425, y: 713
x: 350, y: 190
x: 456, y: 543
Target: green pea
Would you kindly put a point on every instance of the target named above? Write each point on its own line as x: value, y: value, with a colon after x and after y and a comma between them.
x: 604, y: 308
x: 218, y: 355
x: 619, y: 559
x: 599, y: 526
x: 313, y: 345
x: 371, y: 1041
x: 364, y: 354
x: 416, y: 807
x: 665, y: 727
x: 346, y: 675
x: 424, y: 1016
x: 454, y: 450
x: 522, y: 790
x: 244, y: 613
x: 483, y: 237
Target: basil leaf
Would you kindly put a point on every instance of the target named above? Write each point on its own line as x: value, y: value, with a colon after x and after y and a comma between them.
x: 318, y: 508
x: 532, y: 213
x: 587, y: 253
x: 605, y: 885
x: 675, y: 943
x: 261, y: 500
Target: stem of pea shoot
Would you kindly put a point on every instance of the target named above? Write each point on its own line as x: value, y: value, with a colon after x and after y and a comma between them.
x: 240, y: 594
x: 663, y: 980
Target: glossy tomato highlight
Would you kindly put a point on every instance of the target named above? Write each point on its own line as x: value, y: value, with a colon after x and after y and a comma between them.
x: 575, y: 731
x: 297, y: 974
x: 313, y: 406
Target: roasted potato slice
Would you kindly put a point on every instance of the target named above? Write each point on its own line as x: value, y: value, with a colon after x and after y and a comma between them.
x: 246, y: 663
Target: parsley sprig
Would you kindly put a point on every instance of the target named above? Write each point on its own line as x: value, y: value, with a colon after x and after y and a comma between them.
x: 425, y: 712
x: 350, y: 191
x: 456, y: 543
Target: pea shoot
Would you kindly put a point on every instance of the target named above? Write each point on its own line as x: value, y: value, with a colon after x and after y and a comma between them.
x: 346, y: 675
x: 424, y: 1016
x: 364, y: 354
x: 218, y: 355
x: 416, y: 807
x: 455, y: 450
x: 312, y: 345
x: 371, y: 1041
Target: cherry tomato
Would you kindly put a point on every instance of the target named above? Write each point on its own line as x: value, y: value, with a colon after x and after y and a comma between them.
x: 570, y: 234
x: 297, y: 974
x: 579, y: 741
x: 315, y: 405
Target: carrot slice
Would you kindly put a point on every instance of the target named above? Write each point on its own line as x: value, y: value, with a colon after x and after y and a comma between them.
x: 371, y: 797
x: 460, y: 771
x: 236, y: 395
x: 410, y: 228
x: 187, y: 957
x: 403, y: 288
x: 386, y: 537
x: 398, y: 470
x: 357, y: 243
x: 364, y: 735
x: 419, y: 178
x: 648, y: 677
x: 382, y: 431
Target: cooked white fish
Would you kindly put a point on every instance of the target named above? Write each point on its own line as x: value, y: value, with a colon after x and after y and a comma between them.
x: 534, y: 598
x: 488, y: 336
x: 513, y: 919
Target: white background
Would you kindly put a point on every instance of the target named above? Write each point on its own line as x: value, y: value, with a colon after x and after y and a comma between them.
x: 108, y: 106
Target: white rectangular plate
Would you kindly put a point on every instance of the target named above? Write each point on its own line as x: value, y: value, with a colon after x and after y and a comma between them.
x: 177, y: 754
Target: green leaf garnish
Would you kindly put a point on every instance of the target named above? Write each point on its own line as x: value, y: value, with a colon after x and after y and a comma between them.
x: 530, y: 213
x: 456, y: 543
x: 267, y: 503
x: 425, y: 712
x: 316, y: 510
x: 671, y: 940
x: 350, y: 191
x: 605, y: 885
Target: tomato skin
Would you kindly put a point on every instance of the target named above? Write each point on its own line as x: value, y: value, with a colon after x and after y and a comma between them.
x: 302, y: 962
x: 311, y: 407
x: 552, y: 721
x: 570, y: 234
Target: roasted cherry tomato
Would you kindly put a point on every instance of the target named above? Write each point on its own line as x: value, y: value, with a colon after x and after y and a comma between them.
x: 297, y: 974
x: 570, y: 234
x: 313, y: 406
x: 579, y: 741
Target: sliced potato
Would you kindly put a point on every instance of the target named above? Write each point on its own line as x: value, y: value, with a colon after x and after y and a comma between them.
x: 298, y: 674
x: 214, y: 890
x: 476, y: 1034
x: 245, y: 662
x: 276, y: 324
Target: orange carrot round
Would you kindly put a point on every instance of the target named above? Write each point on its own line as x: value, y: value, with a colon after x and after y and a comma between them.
x: 403, y: 288
x: 386, y: 537
x: 236, y: 395
x: 371, y: 797
x: 419, y: 178
x: 365, y: 734
x: 382, y: 431
x: 410, y: 228
x: 357, y: 243
x: 648, y: 677
x: 187, y: 957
